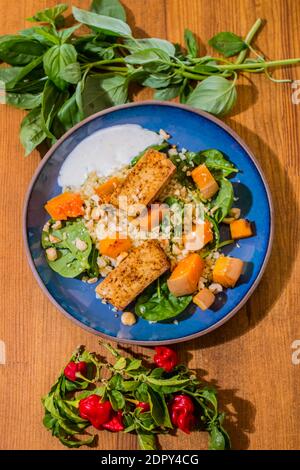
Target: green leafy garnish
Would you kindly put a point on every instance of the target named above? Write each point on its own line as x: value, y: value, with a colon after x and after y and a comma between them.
x: 125, y: 382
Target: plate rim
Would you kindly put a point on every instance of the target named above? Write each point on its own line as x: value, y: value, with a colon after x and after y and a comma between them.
x: 48, y: 155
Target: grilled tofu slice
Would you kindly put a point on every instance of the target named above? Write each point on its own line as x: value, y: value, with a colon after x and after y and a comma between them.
x: 146, y: 179
x: 140, y: 268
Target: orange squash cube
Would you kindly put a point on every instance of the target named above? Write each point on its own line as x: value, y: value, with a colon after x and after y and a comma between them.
x: 205, y: 181
x: 204, y: 299
x: 200, y: 235
x: 240, y: 228
x: 65, y: 205
x: 106, y: 189
x: 152, y: 217
x: 114, y: 246
x: 185, y: 277
x: 227, y: 271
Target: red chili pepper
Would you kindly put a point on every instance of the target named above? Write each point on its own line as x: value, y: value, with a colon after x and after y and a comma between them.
x: 165, y: 358
x: 145, y: 406
x: 73, y: 368
x: 115, y: 424
x: 96, y: 412
x: 182, y: 412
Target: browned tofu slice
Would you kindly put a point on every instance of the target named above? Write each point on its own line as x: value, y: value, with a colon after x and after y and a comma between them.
x: 146, y: 179
x: 142, y: 266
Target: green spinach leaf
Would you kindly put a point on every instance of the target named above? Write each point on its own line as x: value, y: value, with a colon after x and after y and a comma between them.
x: 190, y: 43
x: 160, y: 148
x: 224, y: 200
x: 216, y: 162
x: 157, y: 303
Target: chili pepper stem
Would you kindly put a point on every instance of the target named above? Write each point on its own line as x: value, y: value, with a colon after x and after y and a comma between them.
x: 79, y: 376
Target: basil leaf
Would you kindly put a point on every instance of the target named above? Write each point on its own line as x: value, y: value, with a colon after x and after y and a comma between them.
x: 151, y: 43
x: 223, y: 201
x: 37, y: 33
x: 49, y: 15
x: 159, y: 80
x: 157, y: 303
x: 17, y: 50
x: 228, y: 44
x: 101, y: 93
x: 65, y: 34
x: 48, y: 35
x: 146, y: 440
x: 104, y: 24
x: 166, y: 94
x: 23, y: 73
x: 56, y: 59
x: 147, y: 56
x: 111, y: 8
x: 215, y: 161
x: 31, y: 131
x: 71, y: 73
x: 94, y: 50
x: 215, y: 94
x: 190, y: 43
x: 69, y: 113
x: 52, y: 100
x: 9, y: 74
x: 23, y: 100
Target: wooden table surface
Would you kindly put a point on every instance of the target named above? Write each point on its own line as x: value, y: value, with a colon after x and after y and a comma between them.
x: 249, y: 358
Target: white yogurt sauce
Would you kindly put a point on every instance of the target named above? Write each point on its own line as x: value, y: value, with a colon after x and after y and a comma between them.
x: 105, y: 151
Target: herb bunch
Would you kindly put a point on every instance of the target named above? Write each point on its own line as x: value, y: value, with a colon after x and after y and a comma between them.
x: 144, y: 400
x: 61, y: 76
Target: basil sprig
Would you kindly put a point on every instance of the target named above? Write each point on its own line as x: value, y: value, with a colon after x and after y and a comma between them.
x: 90, y: 72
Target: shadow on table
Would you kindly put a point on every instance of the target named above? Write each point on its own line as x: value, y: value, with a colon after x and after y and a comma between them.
x: 240, y: 413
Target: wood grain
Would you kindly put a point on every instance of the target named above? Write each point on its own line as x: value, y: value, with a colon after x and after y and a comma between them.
x: 248, y: 359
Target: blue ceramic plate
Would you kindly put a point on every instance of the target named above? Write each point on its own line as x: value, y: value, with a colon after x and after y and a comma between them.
x: 195, y: 131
